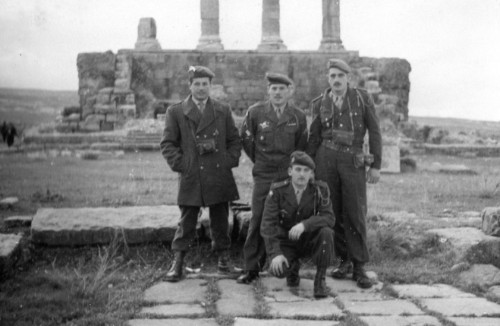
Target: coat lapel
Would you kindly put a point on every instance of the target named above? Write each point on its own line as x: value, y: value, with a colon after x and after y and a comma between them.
x: 270, y: 113
x: 286, y: 115
x: 191, y: 110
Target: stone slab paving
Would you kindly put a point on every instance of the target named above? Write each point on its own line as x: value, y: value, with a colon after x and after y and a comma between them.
x: 18, y: 220
x: 401, y: 321
x: 186, y: 291
x: 478, y: 307
x: 235, y: 299
x: 278, y: 291
x: 475, y: 321
x: 81, y: 226
x: 429, y: 291
x: 324, y: 308
x: 173, y: 322
x: 173, y: 310
x: 9, y: 245
x: 282, y: 322
x: 385, y: 307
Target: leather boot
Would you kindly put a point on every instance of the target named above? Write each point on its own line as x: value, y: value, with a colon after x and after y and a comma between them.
x: 175, y: 272
x: 344, y: 268
x: 248, y: 277
x: 223, y: 263
x: 359, y: 275
x: 293, y: 278
x: 320, y: 288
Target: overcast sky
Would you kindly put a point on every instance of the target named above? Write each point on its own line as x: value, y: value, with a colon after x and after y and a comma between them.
x: 452, y: 45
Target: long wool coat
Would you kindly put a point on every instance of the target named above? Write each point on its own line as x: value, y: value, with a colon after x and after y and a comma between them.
x: 205, y: 179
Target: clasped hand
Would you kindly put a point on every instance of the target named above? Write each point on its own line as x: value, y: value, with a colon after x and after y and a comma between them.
x: 296, y: 231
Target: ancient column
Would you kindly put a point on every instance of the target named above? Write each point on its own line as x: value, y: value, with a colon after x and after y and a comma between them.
x: 271, y: 40
x: 209, y: 39
x: 146, y: 36
x: 331, y: 26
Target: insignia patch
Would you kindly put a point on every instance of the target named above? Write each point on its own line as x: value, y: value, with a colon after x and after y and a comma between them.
x: 248, y: 133
x: 293, y: 123
x: 264, y: 125
x: 270, y: 192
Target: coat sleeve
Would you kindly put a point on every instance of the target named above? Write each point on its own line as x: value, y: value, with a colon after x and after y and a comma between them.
x: 269, y: 227
x: 374, y: 135
x: 248, y: 131
x: 233, y: 141
x: 324, y: 216
x: 170, y: 144
x: 301, y: 136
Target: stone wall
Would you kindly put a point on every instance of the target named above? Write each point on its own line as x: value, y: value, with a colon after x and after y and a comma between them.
x: 160, y: 77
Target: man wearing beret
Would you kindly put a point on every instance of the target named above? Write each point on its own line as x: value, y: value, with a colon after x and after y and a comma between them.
x: 341, y: 117
x: 298, y: 222
x: 271, y: 131
x: 201, y: 143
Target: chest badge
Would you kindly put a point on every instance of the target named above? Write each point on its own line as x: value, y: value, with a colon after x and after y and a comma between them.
x: 264, y: 125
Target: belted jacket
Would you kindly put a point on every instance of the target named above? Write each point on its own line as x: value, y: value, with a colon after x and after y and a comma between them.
x: 204, y: 179
x: 357, y: 115
x: 282, y: 212
x: 269, y: 141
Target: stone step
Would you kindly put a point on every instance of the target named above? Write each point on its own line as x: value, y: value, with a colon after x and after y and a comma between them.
x: 9, y: 250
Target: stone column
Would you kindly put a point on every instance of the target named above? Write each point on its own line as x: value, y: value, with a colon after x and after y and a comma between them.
x: 146, y: 36
x: 271, y: 40
x: 331, y: 26
x: 209, y: 39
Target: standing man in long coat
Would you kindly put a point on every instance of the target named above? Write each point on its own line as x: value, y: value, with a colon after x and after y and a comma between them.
x: 201, y: 143
x: 271, y: 131
x: 342, y: 117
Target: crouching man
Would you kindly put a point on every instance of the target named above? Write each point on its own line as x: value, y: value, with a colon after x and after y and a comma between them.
x: 298, y: 222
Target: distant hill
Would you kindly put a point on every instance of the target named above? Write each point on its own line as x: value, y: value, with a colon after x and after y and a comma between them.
x: 455, y: 125
x: 33, y: 106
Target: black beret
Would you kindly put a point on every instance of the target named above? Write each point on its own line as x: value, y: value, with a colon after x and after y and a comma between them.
x: 200, y: 72
x: 276, y: 78
x: 339, y: 64
x: 301, y: 158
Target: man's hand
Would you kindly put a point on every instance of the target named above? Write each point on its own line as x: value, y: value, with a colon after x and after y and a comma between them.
x: 296, y: 231
x: 277, y: 265
x: 373, y: 175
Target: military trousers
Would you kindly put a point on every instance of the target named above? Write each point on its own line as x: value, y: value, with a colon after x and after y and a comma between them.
x: 254, y: 250
x: 318, y: 245
x: 219, y: 227
x: 347, y: 185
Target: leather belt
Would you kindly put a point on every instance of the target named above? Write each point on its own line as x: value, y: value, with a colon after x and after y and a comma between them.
x: 341, y: 148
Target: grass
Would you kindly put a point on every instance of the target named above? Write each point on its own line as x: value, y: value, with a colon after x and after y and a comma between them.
x: 103, y: 285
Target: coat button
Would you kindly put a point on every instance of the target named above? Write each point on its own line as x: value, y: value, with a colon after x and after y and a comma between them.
x: 341, y: 125
x: 201, y: 168
x: 217, y: 164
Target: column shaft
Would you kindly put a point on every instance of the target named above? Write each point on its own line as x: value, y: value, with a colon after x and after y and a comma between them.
x: 210, y: 39
x: 271, y: 40
x: 331, y: 26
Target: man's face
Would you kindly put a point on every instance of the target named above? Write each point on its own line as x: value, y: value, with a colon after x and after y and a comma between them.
x: 337, y: 80
x: 200, y: 88
x: 300, y: 175
x: 278, y: 94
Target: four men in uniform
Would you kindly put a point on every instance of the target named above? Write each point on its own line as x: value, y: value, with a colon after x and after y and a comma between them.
x: 294, y: 209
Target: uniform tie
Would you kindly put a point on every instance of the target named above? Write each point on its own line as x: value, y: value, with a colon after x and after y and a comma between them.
x: 338, y: 101
x: 298, y: 195
x: 201, y: 106
x: 278, y: 112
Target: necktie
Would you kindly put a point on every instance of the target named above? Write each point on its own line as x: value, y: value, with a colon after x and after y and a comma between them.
x: 338, y: 101
x: 298, y: 195
x: 278, y: 112
x: 201, y: 106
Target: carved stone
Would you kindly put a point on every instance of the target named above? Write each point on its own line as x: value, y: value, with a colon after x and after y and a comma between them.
x: 146, y: 36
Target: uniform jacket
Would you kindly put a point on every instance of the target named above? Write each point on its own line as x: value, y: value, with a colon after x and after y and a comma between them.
x: 203, y: 179
x: 282, y: 212
x: 364, y: 117
x: 268, y: 141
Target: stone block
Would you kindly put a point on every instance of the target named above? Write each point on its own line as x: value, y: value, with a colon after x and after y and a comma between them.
x: 235, y: 299
x: 481, y: 275
x: 465, y: 307
x: 187, y: 291
x: 429, y: 291
x: 173, y: 322
x: 475, y: 321
x: 491, y: 221
x: 324, y: 308
x: 282, y: 322
x: 386, y: 307
x: 8, y: 202
x: 16, y: 221
x: 494, y: 292
x: 127, y: 110
x: 83, y: 226
x: 400, y: 320
x: 173, y: 310
x: 104, y: 95
x: 106, y: 146
x: 122, y: 84
x: 278, y: 291
x: 390, y: 159
x: 449, y: 169
x: 9, y: 249
x: 104, y: 109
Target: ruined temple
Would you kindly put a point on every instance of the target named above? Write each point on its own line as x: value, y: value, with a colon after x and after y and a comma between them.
x: 140, y: 82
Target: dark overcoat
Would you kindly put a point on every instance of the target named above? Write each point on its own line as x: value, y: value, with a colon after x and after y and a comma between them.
x: 205, y: 179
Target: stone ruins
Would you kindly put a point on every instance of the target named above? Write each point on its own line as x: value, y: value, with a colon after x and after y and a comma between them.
x: 141, y: 82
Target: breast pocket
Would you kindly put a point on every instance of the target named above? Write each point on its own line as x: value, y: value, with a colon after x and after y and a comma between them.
x: 265, y: 138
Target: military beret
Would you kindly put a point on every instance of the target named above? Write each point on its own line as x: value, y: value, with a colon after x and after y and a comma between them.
x: 200, y: 72
x: 301, y: 158
x: 339, y: 64
x: 276, y: 78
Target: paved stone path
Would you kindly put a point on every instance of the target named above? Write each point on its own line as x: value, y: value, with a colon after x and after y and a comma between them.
x: 207, y: 300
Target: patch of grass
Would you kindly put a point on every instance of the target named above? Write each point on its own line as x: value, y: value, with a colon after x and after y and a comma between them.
x: 261, y: 308
x: 89, y: 155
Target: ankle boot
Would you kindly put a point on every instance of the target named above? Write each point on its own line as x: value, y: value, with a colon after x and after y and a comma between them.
x: 344, y: 268
x: 320, y: 288
x: 223, y: 262
x: 293, y: 278
x: 248, y: 277
x: 175, y: 272
x: 360, y: 277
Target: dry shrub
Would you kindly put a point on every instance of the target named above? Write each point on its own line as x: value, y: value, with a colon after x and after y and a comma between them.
x: 89, y: 155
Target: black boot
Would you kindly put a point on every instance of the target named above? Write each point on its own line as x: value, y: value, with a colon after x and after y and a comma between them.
x: 223, y: 263
x: 320, y: 288
x: 359, y: 275
x: 248, y: 277
x: 344, y: 268
x: 175, y: 272
x: 293, y: 278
